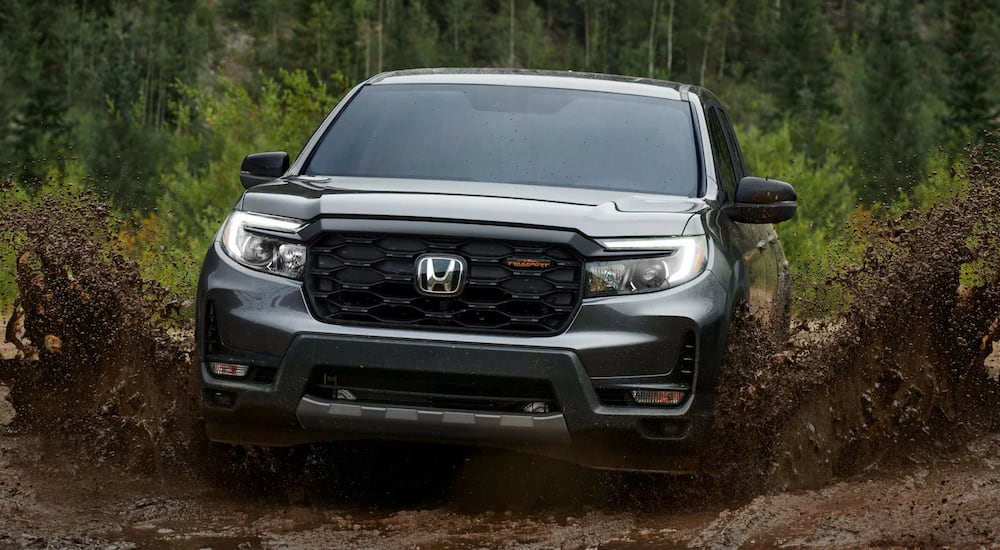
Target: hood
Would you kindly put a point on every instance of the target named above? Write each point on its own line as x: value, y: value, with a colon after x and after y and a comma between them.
x: 593, y: 212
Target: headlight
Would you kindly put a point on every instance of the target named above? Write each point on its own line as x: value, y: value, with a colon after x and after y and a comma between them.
x: 685, y: 260
x: 262, y: 252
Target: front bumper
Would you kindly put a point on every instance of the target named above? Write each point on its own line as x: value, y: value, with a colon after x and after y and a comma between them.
x: 615, y: 342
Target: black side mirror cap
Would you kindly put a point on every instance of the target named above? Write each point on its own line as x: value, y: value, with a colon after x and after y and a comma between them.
x: 258, y: 168
x: 762, y: 200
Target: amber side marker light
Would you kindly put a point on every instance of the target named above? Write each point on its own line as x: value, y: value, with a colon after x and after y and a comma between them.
x: 657, y: 397
x: 228, y: 369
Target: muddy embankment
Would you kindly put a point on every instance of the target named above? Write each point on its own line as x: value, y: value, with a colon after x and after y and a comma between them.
x: 903, y: 369
x: 99, y: 367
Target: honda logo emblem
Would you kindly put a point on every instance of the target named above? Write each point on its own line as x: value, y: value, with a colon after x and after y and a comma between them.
x: 440, y: 275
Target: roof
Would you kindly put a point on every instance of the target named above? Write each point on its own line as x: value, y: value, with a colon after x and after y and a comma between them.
x: 540, y: 79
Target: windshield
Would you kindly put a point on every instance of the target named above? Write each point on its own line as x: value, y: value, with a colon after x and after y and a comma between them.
x: 512, y: 134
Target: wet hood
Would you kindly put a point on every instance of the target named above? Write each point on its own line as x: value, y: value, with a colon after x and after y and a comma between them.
x: 593, y: 212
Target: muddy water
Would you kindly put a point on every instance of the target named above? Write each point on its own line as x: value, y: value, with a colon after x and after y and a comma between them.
x: 938, y: 499
x: 891, y: 397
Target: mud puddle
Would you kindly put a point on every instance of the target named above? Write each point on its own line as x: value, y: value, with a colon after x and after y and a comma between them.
x: 938, y: 500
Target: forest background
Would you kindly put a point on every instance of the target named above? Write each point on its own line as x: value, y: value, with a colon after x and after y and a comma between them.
x: 866, y: 107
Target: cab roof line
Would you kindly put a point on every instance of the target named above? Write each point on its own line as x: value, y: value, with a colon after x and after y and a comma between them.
x: 445, y: 71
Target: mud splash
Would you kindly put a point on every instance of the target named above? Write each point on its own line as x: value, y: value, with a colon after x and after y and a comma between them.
x: 102, y: 371
x: 97, y: 366
x: 900, y: 371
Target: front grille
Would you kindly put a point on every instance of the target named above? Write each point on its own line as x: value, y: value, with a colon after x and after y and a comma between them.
x: 432, y: 389
x: 369, y: 279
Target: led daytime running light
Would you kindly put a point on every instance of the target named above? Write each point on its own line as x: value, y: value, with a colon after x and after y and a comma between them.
x: 265, y: 253
x: 682, y: 259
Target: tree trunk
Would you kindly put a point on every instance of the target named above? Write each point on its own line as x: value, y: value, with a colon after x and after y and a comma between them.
x: 380, y: 34
x: 146, y: 92
x: 366, y: 30
x: 456, y: 14
x: 670, y: 39
x: 722, y: 53
x: 704, y: 53
x: 586, y: 34
x: 368, y: 50
x: 274, y: 37
x: 652, y: 36
x: 704, y: 64
x: 510, y: 61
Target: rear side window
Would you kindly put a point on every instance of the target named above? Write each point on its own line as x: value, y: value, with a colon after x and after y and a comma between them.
x: 513, y: 134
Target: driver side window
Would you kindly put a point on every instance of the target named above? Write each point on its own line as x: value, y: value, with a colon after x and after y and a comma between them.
x: 723, y: 156
x: 738, y: 161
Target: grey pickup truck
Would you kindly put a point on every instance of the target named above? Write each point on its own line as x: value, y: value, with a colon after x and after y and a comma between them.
x: 540, y: 261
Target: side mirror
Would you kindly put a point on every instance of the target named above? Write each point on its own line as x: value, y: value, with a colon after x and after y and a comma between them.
x: 263, y: 167
x: 762, y: 200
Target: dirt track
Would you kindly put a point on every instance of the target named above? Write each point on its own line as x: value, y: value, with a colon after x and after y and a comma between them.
x: 47, y: 501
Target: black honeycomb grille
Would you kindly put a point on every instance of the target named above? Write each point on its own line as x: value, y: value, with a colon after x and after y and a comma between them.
x: 369, y: 279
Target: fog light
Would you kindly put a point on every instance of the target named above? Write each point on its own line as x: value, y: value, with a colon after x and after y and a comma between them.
x: 228, y: 369
x: 346, y: 395
x: 657, y: 397
x: 536, y: 407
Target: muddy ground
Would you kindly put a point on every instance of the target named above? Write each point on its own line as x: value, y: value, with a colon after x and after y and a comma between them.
x: 48, y: 500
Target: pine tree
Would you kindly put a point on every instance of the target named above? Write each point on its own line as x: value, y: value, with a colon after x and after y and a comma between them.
x: 421, y: 47
x: 971, y: 45
x: 888, y: 118
x: 799, y: 70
